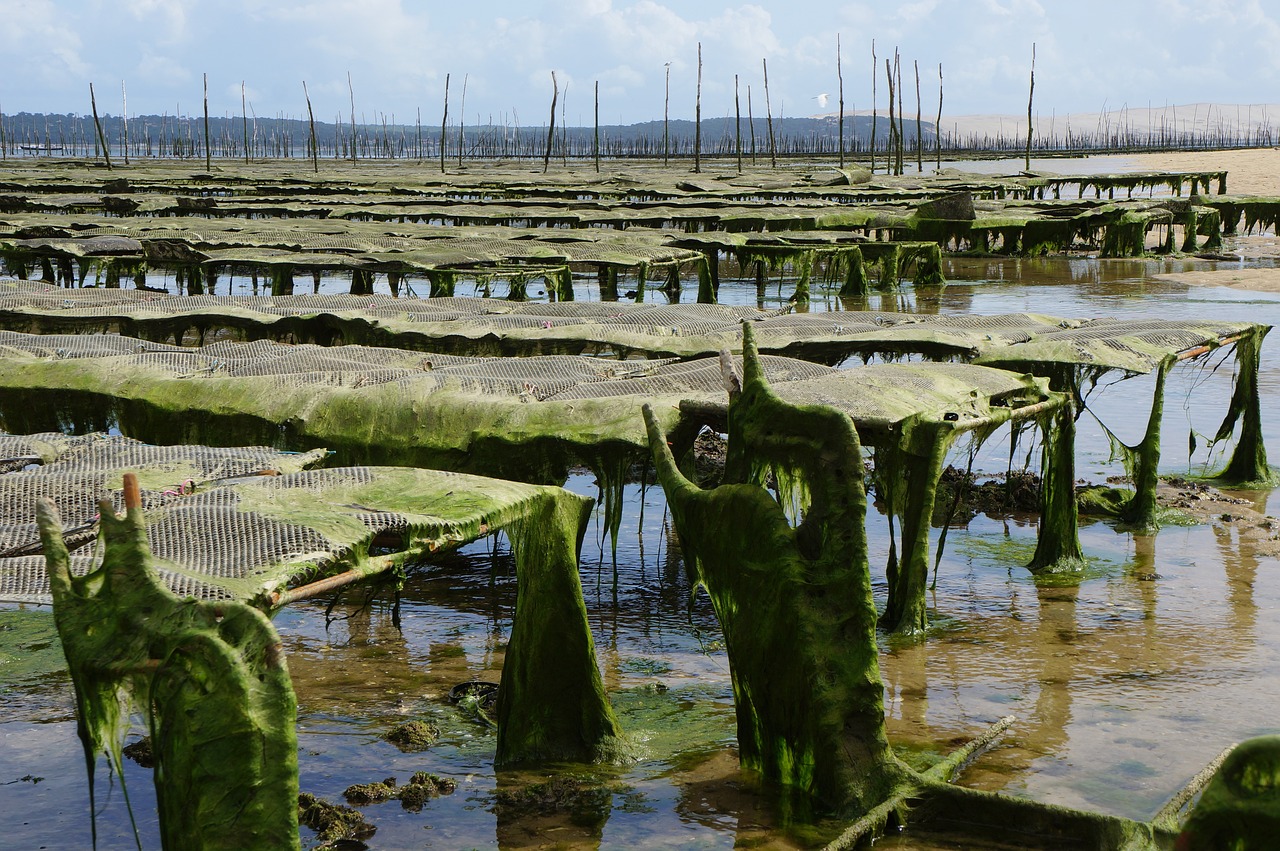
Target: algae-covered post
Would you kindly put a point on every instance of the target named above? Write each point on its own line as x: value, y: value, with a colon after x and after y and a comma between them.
x: 227, y: 768
x: 810, y: 712
x: 551, y: 701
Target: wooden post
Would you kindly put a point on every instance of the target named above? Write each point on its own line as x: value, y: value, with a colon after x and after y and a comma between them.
x: 1030, y: 95
x: 666, y: 119
x: 873, y: 105
x: 893, y: 143
x: 937, y: 128
x: 315, y: 147
x: 697, y: 118
x: 124, y: 117
x: 208, y: 153
x: 102, y: 139
x: 751, y: 126
x: 840, y: 81
x: 919, y: 138
x: 551, y: 128
x: 351, y: 89
x: 768, y: 112
x: 596, y: 143
x: 443, y: 120
x: 462, y: 117
x: 737, y: 122
x: 244, y: 118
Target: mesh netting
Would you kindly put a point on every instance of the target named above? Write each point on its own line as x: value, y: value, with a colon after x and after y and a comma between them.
x: 243, y: 537
x: 682, y: 330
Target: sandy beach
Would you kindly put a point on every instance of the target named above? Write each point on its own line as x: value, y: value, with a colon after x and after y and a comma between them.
x: 1253, y: 171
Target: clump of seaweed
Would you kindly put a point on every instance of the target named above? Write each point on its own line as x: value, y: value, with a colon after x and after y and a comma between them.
x: 586, y: 802
x: 413, y: 736
x: 422, y: 787
x: 332, y: 822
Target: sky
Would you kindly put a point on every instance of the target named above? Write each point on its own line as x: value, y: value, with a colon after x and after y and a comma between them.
x: 1089, y: 54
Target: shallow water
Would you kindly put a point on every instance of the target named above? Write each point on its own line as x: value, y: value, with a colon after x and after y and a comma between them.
x: 1124, y: 685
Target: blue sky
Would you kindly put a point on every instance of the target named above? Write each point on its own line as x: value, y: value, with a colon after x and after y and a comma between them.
x: 397, y: 52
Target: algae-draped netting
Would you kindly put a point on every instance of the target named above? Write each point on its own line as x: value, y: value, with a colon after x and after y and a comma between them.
x: 492, y: 326
x: 467, y: 410
x: 225, y: 531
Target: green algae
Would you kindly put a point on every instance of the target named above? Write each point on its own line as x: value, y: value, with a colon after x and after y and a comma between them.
x: 130, y: 643
x: 413, y: 736
x: 1248, y: 466
x: 551, y: 702
x: 1239, y: 809
x: 814, y: 722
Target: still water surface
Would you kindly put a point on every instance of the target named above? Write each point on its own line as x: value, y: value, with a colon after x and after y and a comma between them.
x: 1124, y: 684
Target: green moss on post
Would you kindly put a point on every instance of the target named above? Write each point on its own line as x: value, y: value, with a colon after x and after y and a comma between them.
x: 706, y: 282
x: 1189, y: 224
x: 561, y: 281
x: 1058, y: 539
x: 211, y: 677
x: 929, y: 266
x: 551, y: 701
x: 889, y: 269
x: 908, y: 472
x: 855, y: 276
x: 281, y: 279
x: 1248, y: 464
x: 1143, y: 461
x: 442, y: 282
x: 795, y: 603
x: 804, y: 262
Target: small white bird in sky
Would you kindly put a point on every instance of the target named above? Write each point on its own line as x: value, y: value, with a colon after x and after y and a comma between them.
x: 822, y: 100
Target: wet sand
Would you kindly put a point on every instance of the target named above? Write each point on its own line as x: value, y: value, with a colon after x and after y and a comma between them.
x: 1254, y: 171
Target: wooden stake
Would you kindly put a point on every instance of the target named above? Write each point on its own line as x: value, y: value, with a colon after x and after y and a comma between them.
x: 596, y: 144
x: 102, y: 139
x: 768, y: 112
x: 840, y: 81
x: 208, y: 153
x: 737, y: 121
x: 124, y: 117
x: 443, y: 120
x: 244, y: 118
x: 874, y: 70
x: 697, y: 118
x: 937, y: 128
x: 315, y: 147
x: 919, y: 138
x: 551, y: 128
x: 352, y: 91
x: 666, y: 119
x: 1030, y: 95
x: 462, y: 117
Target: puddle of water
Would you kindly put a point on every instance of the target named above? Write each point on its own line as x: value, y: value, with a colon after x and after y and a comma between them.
x: 1124, y: 684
